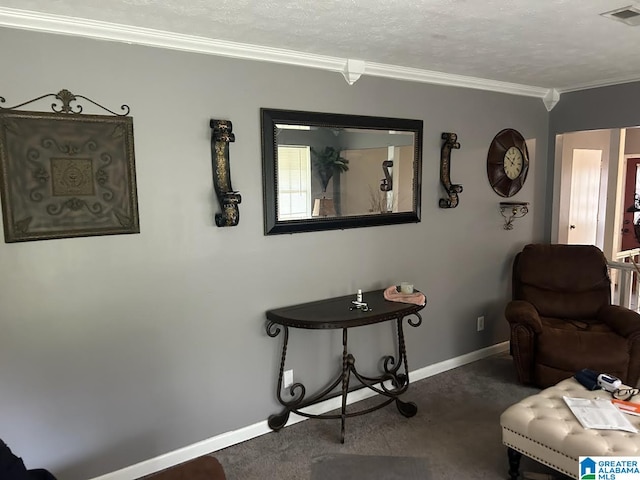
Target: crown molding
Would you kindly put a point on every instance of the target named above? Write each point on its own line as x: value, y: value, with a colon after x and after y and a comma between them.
x: 440, y: 78
x: 59, y: 24
x: 551, y: 99
x: 49, y: 23
x: 603, y: 83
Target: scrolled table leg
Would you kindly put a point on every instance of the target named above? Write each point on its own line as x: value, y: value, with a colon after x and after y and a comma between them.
x: 273, y: 330
x: 277, y: 421
x: 417, y: 322
x: 347, y: 362
x: 402, y: 355
x: 407, y: 409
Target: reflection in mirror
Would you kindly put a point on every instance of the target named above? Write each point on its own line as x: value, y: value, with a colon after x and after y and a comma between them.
x: 328, y: 171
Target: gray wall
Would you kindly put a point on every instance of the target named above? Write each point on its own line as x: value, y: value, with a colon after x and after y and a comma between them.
x: 632, y: 141
x: 607, y: 107
x: 118, y: 349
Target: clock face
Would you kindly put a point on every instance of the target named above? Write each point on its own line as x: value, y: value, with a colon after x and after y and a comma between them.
x: 507, y: 162
x: 513, y: 162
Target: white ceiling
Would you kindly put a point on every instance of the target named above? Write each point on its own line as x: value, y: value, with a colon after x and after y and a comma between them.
x: 545, y: 44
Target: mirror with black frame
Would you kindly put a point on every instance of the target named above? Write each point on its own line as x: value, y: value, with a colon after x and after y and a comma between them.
x: 324, y: 171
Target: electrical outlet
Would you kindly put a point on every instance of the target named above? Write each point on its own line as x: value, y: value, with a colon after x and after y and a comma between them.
x: 480, y: 323
x: 288, y: 379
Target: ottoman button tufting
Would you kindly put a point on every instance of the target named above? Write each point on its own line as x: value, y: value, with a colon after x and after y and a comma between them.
x: 543, y: 428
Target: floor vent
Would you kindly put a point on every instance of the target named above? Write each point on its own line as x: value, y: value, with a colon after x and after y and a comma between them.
x: 629, y: 15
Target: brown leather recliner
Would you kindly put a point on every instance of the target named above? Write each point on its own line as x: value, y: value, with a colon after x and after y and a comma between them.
x: 562, y: 320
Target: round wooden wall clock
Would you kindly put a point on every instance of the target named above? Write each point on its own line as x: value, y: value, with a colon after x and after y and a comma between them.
x: 507, y: 162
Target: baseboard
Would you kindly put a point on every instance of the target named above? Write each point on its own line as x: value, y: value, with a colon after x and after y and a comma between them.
x: 452, y: 363
x: 234, y: 437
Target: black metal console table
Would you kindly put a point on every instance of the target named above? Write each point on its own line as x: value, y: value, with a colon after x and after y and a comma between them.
x: 337, y: 313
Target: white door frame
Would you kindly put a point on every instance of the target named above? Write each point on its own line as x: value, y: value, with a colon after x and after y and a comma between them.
x: 613, y: 160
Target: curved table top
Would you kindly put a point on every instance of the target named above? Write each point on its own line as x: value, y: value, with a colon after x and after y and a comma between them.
x: 336, y: 313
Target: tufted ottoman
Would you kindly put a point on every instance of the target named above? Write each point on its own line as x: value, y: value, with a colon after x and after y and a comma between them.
x: 543, y: 428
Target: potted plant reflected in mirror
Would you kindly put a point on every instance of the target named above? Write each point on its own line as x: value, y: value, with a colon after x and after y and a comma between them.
x: 325, y: 164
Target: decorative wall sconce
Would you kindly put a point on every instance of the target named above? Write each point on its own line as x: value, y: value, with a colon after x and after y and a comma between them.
x: 229, y: 199
x: 386, y: 184
x: 450, y: 142
x: 512, y: 210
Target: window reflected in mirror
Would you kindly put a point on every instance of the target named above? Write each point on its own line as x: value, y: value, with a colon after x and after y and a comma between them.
x: 327, y: 171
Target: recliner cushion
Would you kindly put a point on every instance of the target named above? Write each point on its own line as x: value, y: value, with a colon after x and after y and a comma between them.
x: 569, y: 281
x: 584, y: 324
x: 570, y: 348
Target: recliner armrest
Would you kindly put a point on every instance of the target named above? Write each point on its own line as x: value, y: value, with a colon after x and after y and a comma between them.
x: 623, y: 321
x: 519, y: 311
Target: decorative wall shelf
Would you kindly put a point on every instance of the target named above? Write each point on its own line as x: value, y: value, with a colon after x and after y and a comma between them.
x: 512, y: 210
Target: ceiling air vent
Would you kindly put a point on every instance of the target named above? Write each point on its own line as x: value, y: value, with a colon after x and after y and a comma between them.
x: 629, y: 15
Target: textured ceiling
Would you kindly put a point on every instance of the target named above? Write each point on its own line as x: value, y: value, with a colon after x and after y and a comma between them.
x: 562, y: 44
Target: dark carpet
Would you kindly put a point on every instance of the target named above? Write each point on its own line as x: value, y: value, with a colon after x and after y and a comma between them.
x: 456, y: 431
x: 368, y: 467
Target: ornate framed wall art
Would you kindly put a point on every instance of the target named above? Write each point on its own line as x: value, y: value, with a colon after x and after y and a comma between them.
x: 66, y: 174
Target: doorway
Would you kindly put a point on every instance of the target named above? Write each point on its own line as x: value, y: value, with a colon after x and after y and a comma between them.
x: 619, y: 152
x: 585, y: 196
x: 631, y: 201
